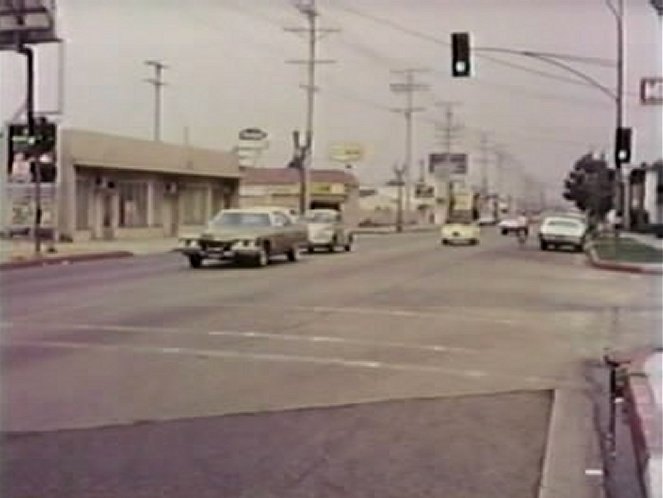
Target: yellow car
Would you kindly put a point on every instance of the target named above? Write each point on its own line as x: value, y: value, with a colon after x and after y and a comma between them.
x: 463, y: 231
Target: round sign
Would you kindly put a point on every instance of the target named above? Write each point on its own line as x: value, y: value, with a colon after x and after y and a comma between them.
x: 252, y: 134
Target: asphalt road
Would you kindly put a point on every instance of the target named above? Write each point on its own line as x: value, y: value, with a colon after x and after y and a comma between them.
x: 147, y: 339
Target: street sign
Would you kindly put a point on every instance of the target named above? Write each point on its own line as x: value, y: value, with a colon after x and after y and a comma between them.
x: 252, y: 134
x: 651, y: 91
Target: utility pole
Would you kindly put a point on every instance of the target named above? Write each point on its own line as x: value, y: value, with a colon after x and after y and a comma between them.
x: 448, y: 130
x: 447, y: 134
x: 409, y: 87
x: 310, y: 12
x: 399, y: 173
x: 483, y: 146
x: 158, y: 84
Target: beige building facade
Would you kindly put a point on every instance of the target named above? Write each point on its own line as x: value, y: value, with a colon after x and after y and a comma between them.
x: 333, y: 189
x: 113, y: 187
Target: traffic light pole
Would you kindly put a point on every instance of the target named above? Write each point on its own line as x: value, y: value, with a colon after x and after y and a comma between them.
x: 30, y: 114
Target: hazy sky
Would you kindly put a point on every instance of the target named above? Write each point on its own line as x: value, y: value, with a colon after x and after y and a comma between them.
x: 227, y: 71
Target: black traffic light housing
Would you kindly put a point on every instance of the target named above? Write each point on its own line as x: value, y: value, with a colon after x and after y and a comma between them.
x: 623, y: 145
x: 460, y: 55
x: 40, y: 150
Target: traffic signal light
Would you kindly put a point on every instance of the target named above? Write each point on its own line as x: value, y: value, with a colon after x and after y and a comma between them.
x: 460, y: 55
x: 26, y: 152
x: 623, y: 145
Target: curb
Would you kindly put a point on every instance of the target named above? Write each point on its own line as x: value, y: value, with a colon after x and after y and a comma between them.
x: 644, y: 417
x: 66, y: 259
x: 572, y: 465
x: 597, y: 262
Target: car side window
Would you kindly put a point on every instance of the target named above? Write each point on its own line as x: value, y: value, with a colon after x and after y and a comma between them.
x: 280, y: 220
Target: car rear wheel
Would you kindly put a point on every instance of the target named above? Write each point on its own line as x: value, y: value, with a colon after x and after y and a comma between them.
x: 348, y: 245
x: 261, y: 259
x: 445, y: 242
x: 544, y: 245
x: 504, y: 231
x: 293, y: 254
x: 195, y: 261
x: 332, y: 245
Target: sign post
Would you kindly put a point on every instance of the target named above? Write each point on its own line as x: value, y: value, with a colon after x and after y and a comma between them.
x: 23, y: 24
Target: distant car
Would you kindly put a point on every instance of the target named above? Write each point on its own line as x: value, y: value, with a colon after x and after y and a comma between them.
x: 460, y: 230
x: 508, y: 225
x: 251, y: 235
x: 558, y: 231
x: 326, y: 230
x: 487, y: 220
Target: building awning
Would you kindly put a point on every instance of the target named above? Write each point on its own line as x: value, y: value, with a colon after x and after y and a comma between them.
x: 100, y: 150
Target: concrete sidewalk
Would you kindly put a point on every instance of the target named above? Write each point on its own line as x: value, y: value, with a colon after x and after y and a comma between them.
x: 644, y: 386
x: 20, y: 252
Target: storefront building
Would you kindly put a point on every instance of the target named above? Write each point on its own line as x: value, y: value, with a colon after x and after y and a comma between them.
x: 113, y: 187
x: 333, y: 189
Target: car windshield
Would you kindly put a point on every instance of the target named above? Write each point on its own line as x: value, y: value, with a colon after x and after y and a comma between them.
x: 563, y: 223
x: 320, y: 217
x: 241, y: 219
x: 461, y: 218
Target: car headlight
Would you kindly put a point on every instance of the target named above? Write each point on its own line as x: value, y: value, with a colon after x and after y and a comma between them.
x: 244, y: 244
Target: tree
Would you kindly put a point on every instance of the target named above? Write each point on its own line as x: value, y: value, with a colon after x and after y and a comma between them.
x: 590, y: 185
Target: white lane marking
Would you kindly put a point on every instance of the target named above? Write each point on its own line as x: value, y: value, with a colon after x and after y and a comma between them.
x: 280, y: 358
x: 251, y: 335
x: 428, y: 313
x: 593, y: 472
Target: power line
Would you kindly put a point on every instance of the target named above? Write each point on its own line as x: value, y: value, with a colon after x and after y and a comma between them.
x: 438, y: 41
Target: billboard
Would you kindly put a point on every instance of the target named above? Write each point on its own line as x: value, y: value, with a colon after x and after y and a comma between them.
x: 346, y: 152
x: 21, y: 206
x: 443, y: 165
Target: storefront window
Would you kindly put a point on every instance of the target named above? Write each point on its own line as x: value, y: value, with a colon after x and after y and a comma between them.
x: 133, y: 204
x: 82, y: 204
x: 194, y: 201
x: 157, y: 202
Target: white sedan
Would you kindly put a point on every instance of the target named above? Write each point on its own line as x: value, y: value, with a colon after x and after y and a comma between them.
x: 508, y: 225
x: 558, y: 231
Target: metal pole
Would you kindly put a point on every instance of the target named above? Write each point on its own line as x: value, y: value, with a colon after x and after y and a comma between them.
x: 408, y: 146
x: 158, y: 83
x: 307, y: 164
x: 399, y: 210
x: 619, y: 103
x: 157, y: 106
x: 30, y: 114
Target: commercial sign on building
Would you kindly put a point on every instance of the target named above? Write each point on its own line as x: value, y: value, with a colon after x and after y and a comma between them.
x: 463, y: 199
x: 268, y: 190
x: 442, y: 165
x: 320, y: 188
x: 651, y: 91
x: 423, y: 191
x: 346, y: 152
